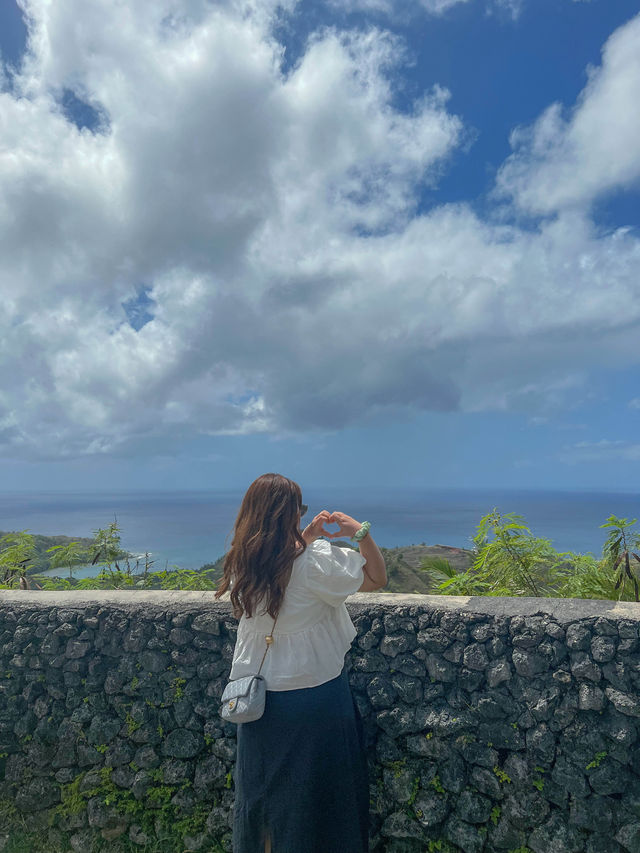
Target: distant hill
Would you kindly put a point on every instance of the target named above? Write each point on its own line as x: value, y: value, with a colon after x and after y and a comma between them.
x: 403, y: 565
x: 42, y: 560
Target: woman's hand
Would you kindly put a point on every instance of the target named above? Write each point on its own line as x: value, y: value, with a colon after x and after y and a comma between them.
x: 315, y: 529
x: 348, y: 526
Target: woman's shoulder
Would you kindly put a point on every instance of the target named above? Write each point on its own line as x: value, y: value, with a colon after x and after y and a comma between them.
x: 316, y: 550
x: 326, y: 556
x: 333, y: 572
x: 319, y: 546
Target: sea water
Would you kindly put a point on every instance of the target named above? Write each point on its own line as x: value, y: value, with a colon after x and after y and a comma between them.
x: 189, y: 529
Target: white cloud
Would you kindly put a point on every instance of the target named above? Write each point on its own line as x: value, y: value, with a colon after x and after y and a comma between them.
x: 635, y: 403
x: 569, y: 160
x: 407, y: 8
x: 601, y: 451
x: 272, y: 222
x: 437, y: 7
x: 394, y: 9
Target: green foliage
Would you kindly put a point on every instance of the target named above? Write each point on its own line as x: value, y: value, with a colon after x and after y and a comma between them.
x: 582, y: 576
x: 41, y: 560
x: 440, y: 846
x: 132, y: 724
x: 401, y: 575
x: 106, y: 544
x: 177, y: 685
x: 179, y: 579
x: 436, y: 783
x: 441, y: 572
x: 510, y: 561
x: 597, y: 760
x: 502, y: 776
x: 396, y: 766
x: 155, y: 812
x: 414, y: 791
x: 528, y: 558
x: 17, y: 551
x: 620, y: 541
x: 67, y: 556
x: 465, y: 738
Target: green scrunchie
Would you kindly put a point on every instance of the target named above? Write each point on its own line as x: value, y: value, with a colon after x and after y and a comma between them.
x: 364, y: 529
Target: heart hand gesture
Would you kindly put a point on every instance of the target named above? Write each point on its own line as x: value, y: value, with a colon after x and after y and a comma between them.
x: 347, y: 526
x: 315, y: 529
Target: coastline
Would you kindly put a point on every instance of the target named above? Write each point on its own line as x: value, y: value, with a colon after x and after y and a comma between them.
x: 193, y: 529
x: 402, y: 562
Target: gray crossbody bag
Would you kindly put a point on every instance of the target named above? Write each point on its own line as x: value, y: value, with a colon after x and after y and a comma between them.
x: 243, y: 698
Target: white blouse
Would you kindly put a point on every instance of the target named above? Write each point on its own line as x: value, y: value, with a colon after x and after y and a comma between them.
x: 314, y: 630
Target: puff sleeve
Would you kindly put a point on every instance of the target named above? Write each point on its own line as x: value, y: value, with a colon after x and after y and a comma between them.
x: 333, y: 573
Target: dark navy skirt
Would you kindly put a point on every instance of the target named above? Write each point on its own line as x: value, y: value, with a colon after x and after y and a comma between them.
x: 301, y: 774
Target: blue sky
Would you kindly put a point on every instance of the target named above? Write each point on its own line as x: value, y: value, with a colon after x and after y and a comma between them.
x: 363, y: 244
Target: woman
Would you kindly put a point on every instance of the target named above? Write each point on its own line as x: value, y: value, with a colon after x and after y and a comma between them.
x: 301, y: 779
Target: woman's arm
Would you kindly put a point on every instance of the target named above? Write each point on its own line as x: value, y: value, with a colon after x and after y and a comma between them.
x: 375, y: 573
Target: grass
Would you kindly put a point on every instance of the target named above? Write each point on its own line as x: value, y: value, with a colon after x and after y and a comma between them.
x: 23, y: 838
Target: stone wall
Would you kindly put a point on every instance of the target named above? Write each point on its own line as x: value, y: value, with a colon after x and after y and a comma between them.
x: 493, y: 724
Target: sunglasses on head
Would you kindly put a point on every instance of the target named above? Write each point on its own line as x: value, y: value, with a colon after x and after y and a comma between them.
x: 303, y: 509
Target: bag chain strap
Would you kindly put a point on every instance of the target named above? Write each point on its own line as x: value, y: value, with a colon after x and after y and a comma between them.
x: 268, y: 640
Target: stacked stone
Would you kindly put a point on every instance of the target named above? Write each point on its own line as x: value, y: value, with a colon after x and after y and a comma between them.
x: 91, y: 688
x: 488, y: 729
x: 498, y: 733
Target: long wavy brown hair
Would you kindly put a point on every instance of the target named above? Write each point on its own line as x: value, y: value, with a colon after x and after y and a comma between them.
x: 266, y: 541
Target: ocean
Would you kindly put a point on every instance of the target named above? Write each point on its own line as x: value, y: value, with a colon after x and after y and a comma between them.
x: 189, y: 529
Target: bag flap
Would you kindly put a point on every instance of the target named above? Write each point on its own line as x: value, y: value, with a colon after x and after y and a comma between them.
x: 239, y: 687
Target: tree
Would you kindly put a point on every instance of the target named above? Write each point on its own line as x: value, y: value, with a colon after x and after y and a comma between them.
x: 616, y: 550
x: 17, y: 551
x: 509, y: 560
x: 67, y: 556
x: 106, y: 544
